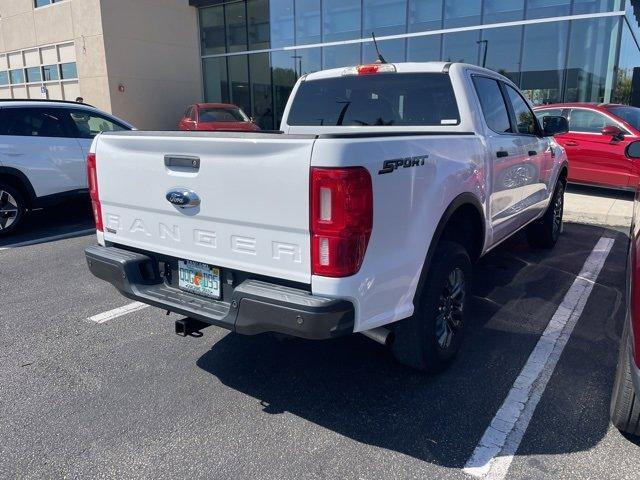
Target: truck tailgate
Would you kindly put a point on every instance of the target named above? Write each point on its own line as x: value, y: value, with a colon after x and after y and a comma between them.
x: 253, y: 188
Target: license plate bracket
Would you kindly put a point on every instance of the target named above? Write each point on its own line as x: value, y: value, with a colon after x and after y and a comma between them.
x: 199, y: 278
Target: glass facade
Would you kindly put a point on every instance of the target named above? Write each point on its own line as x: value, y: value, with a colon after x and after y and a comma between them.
x: 554, y: 50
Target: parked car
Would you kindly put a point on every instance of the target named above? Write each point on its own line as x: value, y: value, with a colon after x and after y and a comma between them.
x: 43, y: 150
x: 597, y: 142
x: 363, y: 215
x: 216, y: 116
x: 625, y: 400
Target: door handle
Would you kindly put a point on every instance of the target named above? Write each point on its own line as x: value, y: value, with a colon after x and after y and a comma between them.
x: 571, y: 144
x: 502, y: 153
x: 532, y: 153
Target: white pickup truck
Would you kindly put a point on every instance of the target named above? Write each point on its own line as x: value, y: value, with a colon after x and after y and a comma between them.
x: 363, y: 214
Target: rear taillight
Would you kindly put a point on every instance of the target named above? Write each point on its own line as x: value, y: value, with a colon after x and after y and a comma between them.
x: 92, y: 180
x: 341, y: 220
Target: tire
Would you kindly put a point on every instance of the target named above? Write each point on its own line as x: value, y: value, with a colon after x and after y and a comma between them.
x: 625, y: 404
x: 12, y: 208
x: 544, y: 233
x: 430, y: 339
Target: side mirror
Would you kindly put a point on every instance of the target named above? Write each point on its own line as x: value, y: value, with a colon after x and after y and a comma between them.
x: 633, y: 150
x: 613, y: 131
x: 554, y: 125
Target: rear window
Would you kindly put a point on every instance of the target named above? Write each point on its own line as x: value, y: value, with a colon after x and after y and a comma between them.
x: 386, y: 99
x: 222, y: 115
x: 631, y: 115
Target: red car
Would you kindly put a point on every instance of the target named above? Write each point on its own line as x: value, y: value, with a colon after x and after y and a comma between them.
x: 625, y: 401
x: 597, y: 142
x: 216, y: 116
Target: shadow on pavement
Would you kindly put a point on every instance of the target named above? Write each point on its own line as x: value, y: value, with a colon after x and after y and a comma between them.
x: 62, y: 219
x: 352, y: 386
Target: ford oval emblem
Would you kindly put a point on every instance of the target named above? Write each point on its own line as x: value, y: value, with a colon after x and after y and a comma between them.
x: 183, y: 198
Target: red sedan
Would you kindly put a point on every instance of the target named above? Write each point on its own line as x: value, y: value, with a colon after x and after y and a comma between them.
x: 216, y: 116
x: 625, y: 401
x: 597, y: 142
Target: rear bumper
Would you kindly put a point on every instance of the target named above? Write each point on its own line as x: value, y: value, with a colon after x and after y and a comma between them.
x: 251, y: 307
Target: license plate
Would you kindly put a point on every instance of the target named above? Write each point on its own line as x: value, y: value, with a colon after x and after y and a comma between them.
x: 199, y: 278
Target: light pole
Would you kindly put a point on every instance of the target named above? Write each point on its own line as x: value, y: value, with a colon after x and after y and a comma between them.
x: 297, y: 66
x: 486, y: 47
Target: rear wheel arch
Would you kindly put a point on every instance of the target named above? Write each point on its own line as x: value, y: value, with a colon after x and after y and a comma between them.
x: 564, y: 175
x: 19, y: 181
x: 462, y: 222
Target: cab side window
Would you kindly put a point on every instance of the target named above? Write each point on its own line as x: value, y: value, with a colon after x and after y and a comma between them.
x: 33, y: 122
x: 588, y: 121
x: 526, y: 122
x: 90, y: 124
x: 492, y: 103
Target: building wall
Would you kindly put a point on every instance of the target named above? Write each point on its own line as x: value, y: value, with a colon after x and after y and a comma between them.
x: 153, y: 60
x: 555, y: 50
x: 71, y: 28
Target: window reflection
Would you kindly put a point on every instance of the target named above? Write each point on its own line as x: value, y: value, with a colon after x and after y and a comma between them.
x: 543, y: 62
x: 391, y: 50
x: 212, y: 34
x: 496, y: 11
x: 341, y: 20
x: 425, y: 15
x: 595, y: 6
x: 384, y: 17
x: 281, y: 19
x: 547, y: 8
x: 503, y: 51
x: 461, y: 47
x: 627, y: 71
x: 261, y: 93
x: 340, y: 56
x: 461, y: 14
x: 239, y: 81
x: 258, y: 24
x: 307, y: 22
x: 236, y: 22
x: 590, y: 60
x: 424, y: 49
x: 284, y: 67
x: 216, y: 86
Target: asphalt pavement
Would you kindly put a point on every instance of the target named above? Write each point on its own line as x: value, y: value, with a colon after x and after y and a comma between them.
x: 127, y: 398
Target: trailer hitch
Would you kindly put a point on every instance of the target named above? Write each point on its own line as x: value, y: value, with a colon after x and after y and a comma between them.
x: 190, y: 327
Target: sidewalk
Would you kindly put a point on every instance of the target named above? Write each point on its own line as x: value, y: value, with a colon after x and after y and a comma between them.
x: 595, y: 206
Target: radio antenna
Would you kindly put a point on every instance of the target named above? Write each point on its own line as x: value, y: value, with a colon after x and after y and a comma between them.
x: 375, y: 44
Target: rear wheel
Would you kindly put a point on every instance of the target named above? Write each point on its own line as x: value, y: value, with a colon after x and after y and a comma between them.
x: 544, y: 233
x: 430, y: 339
x: 625, y: 404
x: 12, y: 207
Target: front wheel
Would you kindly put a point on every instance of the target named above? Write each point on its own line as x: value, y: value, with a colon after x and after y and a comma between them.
x: 544, y: 233
x: 12, y: 207
x: 430, y: 339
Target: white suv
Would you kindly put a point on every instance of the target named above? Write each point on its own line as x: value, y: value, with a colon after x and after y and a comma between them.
x: 43, y: 150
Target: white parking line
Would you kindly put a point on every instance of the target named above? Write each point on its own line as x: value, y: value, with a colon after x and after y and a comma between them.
x: 117, y: 312
x: 36, y: 241
x: 494, y: 453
